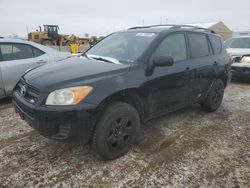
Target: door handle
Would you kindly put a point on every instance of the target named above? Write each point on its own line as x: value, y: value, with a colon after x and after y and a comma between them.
x: 41, y: 62
x: 187, y: 68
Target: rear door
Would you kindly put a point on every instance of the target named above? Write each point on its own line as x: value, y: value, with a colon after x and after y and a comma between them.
x: 16, y: 59
x: 220, y: 53
x: 204, y: 62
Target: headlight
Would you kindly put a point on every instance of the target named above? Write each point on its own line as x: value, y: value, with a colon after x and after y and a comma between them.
x: 245, y: 59
x: 68, y: 96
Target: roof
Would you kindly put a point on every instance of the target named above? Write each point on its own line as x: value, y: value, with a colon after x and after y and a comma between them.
x: 39, y: 46
x: 167, y: 27
x: 3, y: 39
x: 148, y: 29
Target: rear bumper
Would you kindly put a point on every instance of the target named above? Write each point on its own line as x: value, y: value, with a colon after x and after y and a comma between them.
x: 57, y: 123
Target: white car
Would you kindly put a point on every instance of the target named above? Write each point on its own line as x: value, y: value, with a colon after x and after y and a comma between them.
x: 17, y: 56
x: 239, y: 49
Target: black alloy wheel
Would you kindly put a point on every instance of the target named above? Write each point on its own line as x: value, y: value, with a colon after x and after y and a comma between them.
x: 117, y: 131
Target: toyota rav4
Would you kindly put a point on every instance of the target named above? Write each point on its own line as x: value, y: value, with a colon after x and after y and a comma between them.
x: 126, y: 79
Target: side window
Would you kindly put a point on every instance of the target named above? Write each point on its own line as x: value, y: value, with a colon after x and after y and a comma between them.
x: 6, y: 51
x: 199, y: 45
x: 37, y: 52
x: 216, y: 44
x: 174, y: 46
x: 15, y: 51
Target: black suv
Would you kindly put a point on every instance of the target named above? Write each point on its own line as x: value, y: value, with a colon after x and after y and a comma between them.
x: 129, y: 77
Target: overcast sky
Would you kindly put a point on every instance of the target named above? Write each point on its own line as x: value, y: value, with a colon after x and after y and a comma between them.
x: 100, y: 17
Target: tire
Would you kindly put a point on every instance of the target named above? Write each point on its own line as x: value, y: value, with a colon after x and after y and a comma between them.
x: 47, y: 43
x: 214, y: 97
x: 116, y: 132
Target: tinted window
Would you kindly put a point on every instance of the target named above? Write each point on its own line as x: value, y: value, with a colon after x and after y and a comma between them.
x: 216, y: 43
x: 6, y: 48
x: 15, y: 51
x: 199, y: 45
x: 174, y: 46
x: 37, y: 52
x: 243, y: 42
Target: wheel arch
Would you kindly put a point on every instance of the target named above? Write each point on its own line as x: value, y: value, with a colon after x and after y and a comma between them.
x: 223, y: 78
x: 130, y: 96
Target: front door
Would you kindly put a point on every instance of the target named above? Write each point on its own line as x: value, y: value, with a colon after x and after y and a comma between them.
x: 169, y: 86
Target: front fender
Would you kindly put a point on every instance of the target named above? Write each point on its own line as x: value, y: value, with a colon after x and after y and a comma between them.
x: 103, y: 88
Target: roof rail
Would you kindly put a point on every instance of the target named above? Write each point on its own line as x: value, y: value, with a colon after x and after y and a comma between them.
x: 192, y: 27
x: 150, y: 26
x: 173, y: 26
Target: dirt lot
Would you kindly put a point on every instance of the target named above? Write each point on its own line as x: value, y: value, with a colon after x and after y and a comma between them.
x: 188, y: 148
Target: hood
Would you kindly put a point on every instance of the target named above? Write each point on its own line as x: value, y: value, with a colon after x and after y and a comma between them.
x: 61, y: 56
x: 238, y: 51
x: 72, y: 72
x: 246, y: 65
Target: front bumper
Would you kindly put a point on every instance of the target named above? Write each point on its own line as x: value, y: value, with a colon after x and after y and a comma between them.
x: 240, y: 71
x: 58, y: 123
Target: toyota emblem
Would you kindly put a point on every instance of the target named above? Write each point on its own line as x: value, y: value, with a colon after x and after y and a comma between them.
x: 23, y: 90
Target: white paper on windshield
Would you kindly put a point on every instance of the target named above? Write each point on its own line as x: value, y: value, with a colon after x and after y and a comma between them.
x: 145, y: 34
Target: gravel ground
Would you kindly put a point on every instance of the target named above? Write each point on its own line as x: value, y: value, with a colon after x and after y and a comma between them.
x: 188, y: 148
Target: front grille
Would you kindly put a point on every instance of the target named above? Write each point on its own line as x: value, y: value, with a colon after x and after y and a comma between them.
x: 240, y: 69
x: 26, y: 110
x: 28, y: 92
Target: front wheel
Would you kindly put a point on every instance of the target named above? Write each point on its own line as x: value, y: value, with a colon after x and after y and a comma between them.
x: 117, y: 131
x: 214, y: 97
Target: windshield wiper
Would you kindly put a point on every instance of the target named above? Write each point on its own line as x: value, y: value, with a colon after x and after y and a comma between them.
x: 105, y: 59
x: 102, y: 59
x: 126, y: 61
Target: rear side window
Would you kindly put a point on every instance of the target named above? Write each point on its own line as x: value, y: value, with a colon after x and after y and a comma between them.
x: 216, y: 44
x: 37, y: 52
x: 199, y: 45
x: 174, y: 46
x: 15, y: 51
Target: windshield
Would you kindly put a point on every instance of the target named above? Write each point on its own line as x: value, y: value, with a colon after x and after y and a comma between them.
x: 124, y: 47
x: 238, y: 43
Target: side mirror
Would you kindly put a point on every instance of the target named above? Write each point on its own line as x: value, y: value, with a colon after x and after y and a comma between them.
x: 162, y: 61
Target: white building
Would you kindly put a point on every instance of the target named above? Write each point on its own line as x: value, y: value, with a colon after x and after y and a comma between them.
x: 218, y: 27
x: 241, y: 33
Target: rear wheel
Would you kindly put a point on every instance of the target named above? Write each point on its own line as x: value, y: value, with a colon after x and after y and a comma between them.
x: 214, y: 97
x: 117, y: 131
